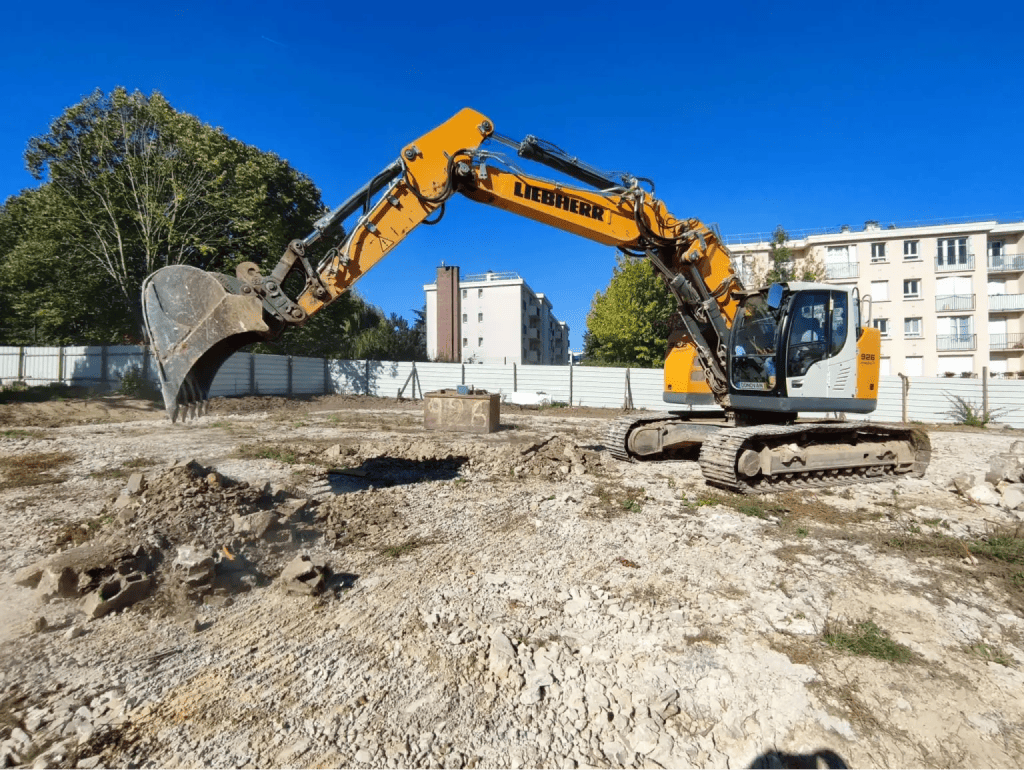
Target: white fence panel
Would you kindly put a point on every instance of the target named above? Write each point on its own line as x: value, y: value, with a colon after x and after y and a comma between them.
x: 307, y: 376
x: 439, y: 376
x: 83, y: 364
x: 271, y: 375
x: 599, y: 386
x: 389, y: 377
x: 41, y: 365
x: 552, y: 380
x: 122, y: 358
x: 648, y: 388
x: 234, y: 376
x: 10, y: 358
x: 347, y: 376
x: 489, y: 377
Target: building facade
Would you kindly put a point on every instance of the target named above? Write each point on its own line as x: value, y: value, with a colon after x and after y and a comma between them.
x: 503, y: 321
x: 948, y: 299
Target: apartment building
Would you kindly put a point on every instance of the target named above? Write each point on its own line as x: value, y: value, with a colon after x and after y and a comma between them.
x: 503, y: 321
x: 948, y: 299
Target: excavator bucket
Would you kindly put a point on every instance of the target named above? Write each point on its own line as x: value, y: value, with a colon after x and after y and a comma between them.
x: 195, y: 321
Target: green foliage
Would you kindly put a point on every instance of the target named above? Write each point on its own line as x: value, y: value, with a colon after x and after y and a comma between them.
x: 131, y: 185
x: 629, y: 323
x: 964, y: 412
x: 783, y: 267
x: 866, y: 638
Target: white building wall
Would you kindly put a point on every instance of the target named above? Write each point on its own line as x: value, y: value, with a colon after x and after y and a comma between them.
x: 972, y: 314
x: 503, y: 322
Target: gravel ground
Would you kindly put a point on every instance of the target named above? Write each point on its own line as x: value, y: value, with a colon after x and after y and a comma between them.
x: 503, y: 600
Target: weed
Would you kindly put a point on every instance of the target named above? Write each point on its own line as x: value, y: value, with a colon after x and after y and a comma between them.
x: 19, y: 433
x: 1001, y: 546
x: 76, y: 533
x: 614, y: 502
x: 628, y: 563
x: 801, y: 532
x: 134, y: 385
x: 865, y: 638
x: 125, y: 469
x: 966, y: 412
x: 410, y: 545
x: 261, y: 452
x: 990, y: 654
x: 704, y: 636
x: 31, y: 470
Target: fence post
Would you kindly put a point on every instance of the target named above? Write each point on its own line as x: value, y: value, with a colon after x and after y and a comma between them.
x: 327, y: 377
x: 21, y: 363
x: 627, y: 401
x: 103, y: 364
x: 61, y: 363
x: 906, y: 389
x: 515, y: 378
x: 289, y: 376
x: 984, y: 392
x: 463, y: 374
x: 145, y: 362
x: 366, y: 374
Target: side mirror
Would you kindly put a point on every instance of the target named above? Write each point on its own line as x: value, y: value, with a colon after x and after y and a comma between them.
x: 775, y: 295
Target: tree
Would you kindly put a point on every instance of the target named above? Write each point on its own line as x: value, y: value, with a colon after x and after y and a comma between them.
x: 784, y: 267
x: 135, y: 185
x: 628, y: 324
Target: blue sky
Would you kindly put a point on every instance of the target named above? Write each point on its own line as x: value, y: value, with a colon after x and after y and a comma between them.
x: 749, y: 115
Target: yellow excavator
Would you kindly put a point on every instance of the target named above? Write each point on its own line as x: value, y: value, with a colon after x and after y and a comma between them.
x: 762, y: 354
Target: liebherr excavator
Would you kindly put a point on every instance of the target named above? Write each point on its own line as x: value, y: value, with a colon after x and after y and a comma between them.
x: 761, y: 354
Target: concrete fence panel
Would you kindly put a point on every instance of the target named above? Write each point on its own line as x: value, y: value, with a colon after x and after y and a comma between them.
x: 271, y: 375
x: 234, y: 378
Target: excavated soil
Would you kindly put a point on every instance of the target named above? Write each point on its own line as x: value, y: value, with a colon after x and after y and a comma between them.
x: 512, y: 599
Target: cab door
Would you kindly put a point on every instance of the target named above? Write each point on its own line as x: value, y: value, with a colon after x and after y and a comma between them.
x: 819, y: 354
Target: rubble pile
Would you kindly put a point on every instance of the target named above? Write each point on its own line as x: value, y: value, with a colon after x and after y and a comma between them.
x: 557, y: 457
x: 1002, y: 486
x: 364, y: 520
x: 189, y: 532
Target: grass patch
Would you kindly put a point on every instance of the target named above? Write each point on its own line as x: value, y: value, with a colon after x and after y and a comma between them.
x: 616, y: 502
x: 264, y: 452
x: 30, y: 470
x: 19, y: 433
x: 865, y: 638
x: 755, y: 507
x: 401, y: 549
x: 126, y: 469
x: 76, y: 533
x: 990, y: 654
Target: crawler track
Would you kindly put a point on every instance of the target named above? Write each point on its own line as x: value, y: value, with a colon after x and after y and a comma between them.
x: 719, y: 453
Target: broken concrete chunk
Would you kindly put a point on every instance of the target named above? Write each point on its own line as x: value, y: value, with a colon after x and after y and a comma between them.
x: 983, y: 494
x: 1003, y: 467
x: 115, y: 593
x: 56, y: 582
x: 255, y: 524
x: 292, y: 507
x: 1013, y: 497
x: 304, y: 576
x: 136, y: 483
x: 196, y: 565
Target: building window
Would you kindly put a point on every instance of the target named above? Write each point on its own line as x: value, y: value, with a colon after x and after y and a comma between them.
x: 465, y: 318
x: 883, y: 367
x: 878, y: 252
x: 479, y: 316
x: 911, y: 327
x: 910, y: 251
x: 952, y: 251
x: 882, y: 324
x: 465, y: 342
x: 479, y: 292
x: 464, y: 293
x: 880, y: 291
x: 995, y: 248
x: 479, y: 342
x: 912, y: 288
x: 914, y: 366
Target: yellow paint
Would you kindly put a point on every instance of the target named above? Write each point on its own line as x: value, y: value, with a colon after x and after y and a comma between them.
x: 683, y: 373
x: 869, y: 348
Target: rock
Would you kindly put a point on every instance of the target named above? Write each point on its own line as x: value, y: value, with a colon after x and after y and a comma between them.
x: 303, y: 576
x: 501, y: 656
x: 123, y: 502
x: 333, y: 452
x: 39, y: 624
x: 74, y: 632
x: 136, y: 484
x: 1003, y: 467
x: 88, y: 763
x: 57, y: 582
x: 983, y: 494
x: 115, y: 593
x: 364, y: 756
x: 255, y: 524
x: 292, y: 507
x: 964, y: 482
x: 195, y: 565
x: 1017, y: 449
x: 1013, y: 497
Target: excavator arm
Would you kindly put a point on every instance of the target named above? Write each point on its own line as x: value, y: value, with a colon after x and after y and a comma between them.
x: 196, y: 320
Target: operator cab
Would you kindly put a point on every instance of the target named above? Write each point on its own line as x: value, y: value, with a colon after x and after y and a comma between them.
x: 794, y: 348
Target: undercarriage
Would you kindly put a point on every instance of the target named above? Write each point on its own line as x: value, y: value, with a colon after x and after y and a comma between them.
x: 766, y: 458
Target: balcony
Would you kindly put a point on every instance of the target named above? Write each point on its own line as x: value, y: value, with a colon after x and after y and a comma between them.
x: 953, y: 303
x: 1005, y: 303
x: 947, y: 342
x: 1012, y: 341
x: 840, y: 271
x: 947, y: 264
x: 533, y: 333
x: 1006, y: 263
